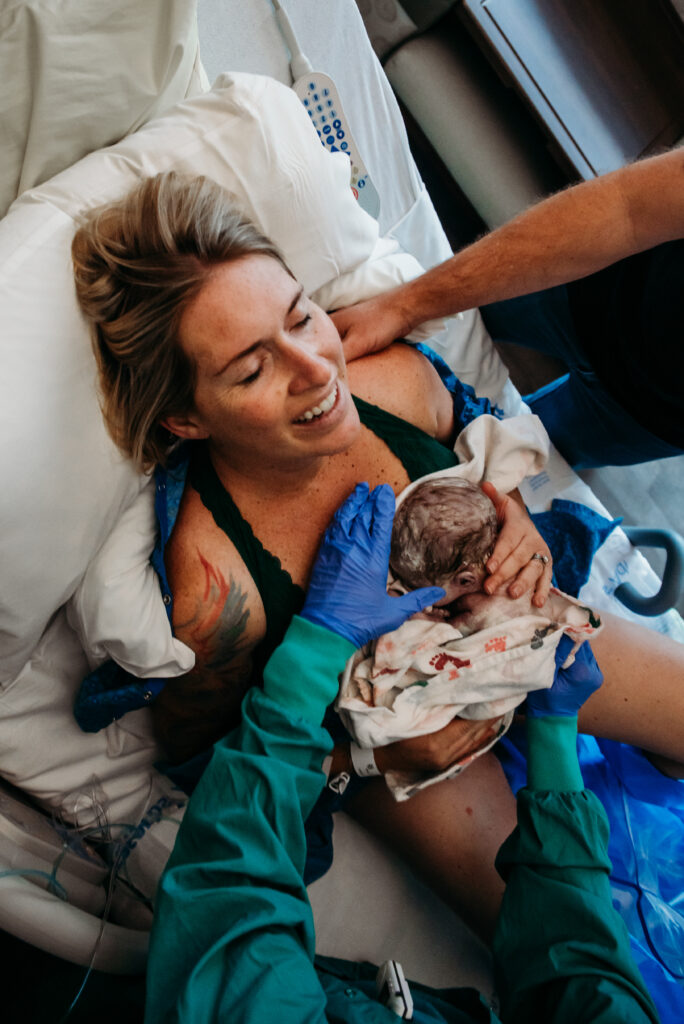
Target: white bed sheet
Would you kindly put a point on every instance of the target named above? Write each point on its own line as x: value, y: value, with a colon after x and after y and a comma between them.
x: 138, y: 60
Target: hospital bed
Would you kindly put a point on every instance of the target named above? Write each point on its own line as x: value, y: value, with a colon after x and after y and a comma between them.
x: 76, y: 519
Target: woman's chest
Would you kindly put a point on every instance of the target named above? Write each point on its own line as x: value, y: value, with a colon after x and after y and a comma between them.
x: 213, y: 569
x: 291, y: 528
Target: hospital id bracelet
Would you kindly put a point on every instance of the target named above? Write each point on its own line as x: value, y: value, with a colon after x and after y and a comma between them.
x: 363, y: 761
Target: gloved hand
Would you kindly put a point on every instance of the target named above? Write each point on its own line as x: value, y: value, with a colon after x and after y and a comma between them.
x: 571, y: 686
x: 348, y: 589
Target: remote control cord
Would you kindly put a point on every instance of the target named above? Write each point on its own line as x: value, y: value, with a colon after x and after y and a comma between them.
x: 299, y: 63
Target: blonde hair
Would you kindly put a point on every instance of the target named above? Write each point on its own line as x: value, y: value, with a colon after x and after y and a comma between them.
x: 138, y: 263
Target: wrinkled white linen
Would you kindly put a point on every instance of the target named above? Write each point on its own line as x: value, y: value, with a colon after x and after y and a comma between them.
x: 416, y: 679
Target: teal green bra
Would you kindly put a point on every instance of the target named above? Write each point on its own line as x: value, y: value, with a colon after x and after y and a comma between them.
x: 282, y: 598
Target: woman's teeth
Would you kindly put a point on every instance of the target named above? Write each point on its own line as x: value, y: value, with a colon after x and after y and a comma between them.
x: 318, y: 410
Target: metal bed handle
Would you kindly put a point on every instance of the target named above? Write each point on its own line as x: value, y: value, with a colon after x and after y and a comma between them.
x: 673, y: 574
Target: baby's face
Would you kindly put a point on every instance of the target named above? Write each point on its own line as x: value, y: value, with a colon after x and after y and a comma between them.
x: 464, y: 581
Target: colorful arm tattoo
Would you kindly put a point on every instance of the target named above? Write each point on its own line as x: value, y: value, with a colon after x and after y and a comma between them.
x: 195, y: 710
x: 216, y: 630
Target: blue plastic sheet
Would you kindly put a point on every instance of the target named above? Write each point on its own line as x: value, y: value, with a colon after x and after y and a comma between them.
x: 646, y: 814
x: 574, y: 533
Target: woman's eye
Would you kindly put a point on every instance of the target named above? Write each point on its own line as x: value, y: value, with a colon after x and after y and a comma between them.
x: 304, y: 321
x: 252, y: 377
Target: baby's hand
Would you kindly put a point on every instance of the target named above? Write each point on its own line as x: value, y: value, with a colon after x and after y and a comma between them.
x: 432, y: 614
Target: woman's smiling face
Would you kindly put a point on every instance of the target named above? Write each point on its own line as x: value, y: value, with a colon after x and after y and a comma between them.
x: 271, y: 385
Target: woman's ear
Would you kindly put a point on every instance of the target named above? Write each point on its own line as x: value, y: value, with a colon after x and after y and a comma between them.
x: 188, y: 427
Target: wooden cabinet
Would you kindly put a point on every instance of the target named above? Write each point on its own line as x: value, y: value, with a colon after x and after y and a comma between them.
x: 606, y: 77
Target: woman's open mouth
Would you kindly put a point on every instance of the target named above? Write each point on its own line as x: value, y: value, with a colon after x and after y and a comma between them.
x: 317, y: 412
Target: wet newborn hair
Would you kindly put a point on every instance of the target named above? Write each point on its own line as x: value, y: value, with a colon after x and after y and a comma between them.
x: 443, y: 525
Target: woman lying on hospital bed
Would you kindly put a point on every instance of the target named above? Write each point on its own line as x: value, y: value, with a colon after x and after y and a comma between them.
x: 202, y: 334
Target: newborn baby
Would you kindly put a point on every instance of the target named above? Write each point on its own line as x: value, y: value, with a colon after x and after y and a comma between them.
x: 476, y: 656
x: 444, y: 532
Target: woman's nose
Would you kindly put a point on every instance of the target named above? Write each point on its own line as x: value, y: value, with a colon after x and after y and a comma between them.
x: 309, y: 367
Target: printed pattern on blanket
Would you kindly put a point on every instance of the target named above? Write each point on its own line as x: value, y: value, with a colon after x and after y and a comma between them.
x: 479, y: 665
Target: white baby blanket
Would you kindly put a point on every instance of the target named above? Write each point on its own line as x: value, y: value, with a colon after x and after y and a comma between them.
x: 416, y: 679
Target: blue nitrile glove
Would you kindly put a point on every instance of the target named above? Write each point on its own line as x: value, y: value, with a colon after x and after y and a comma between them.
x: 571, y: 686
x: 348, y: 589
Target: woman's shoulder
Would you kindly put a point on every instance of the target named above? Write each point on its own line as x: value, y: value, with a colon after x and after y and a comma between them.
x: 402, y: 381
x: 214, y: 596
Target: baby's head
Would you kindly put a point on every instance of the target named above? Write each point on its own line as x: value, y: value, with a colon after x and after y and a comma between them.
x: 444, y: 532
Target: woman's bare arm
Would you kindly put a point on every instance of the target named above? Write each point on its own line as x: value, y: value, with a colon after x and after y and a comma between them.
x: 213, y: 615
x: 433, y: 752
x: 197, y: 709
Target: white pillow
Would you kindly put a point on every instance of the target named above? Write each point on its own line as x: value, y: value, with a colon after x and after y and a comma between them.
x: 81, y: 74
x: 117, y: 610
x: 64, y: 483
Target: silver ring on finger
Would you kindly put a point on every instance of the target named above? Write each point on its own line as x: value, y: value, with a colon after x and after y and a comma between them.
x: 544, y: 559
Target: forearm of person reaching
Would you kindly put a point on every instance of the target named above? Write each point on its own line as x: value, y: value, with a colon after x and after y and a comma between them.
x: 233, y: 927
x: 561, y: 951
x: 567, y: 236
x: 431, y: 753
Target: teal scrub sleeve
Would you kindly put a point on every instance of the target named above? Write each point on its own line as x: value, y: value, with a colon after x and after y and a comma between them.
x: 552, y: 754
x: 233, y: 930
x: 561, y: 952
x: 233, y: 938
x: 302, y: 674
